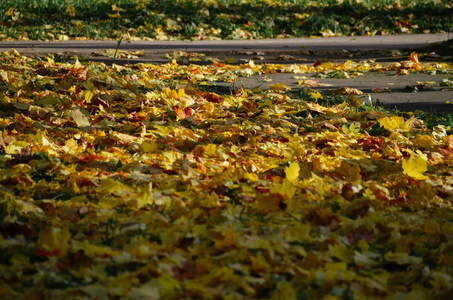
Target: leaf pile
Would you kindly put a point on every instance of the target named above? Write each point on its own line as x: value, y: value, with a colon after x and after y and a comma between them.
x: 226, y: 19
x: 132, y: 182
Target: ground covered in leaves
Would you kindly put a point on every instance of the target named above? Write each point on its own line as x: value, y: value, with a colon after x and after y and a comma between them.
x: 225, y: 19
x: 134, y: 182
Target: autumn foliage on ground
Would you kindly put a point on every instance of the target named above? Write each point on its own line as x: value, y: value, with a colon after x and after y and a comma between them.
x: 134, y: 182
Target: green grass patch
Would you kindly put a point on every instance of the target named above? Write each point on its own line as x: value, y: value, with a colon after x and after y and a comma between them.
x: 228, y: 19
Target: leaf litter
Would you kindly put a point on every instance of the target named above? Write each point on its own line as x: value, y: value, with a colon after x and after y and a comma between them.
x: 132, y: 181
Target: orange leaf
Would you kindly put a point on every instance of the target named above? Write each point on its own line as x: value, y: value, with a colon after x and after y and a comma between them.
x: 414, y: 58
x: 183, y: 113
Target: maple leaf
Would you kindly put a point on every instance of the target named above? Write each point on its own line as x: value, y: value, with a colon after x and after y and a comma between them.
x: 395, y: 123
x: 351, y: 171
x: 292, y: 171
x: 78, y: 117
x: 284, y: 189
x: 316, y: 96
x: 55, y: 239
x: 148, y: 146
x: 414, y: 59
x: 415, y: 166
x: 112, y: 186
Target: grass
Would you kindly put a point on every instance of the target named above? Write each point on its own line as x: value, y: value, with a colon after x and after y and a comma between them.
x: 227, y: 19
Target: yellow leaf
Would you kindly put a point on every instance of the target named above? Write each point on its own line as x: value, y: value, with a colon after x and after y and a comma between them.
x: 55, y: 239
x: 394, y: 122
x: 259, y: 264
x: 4, y: 76
x: 230, y: 61
x: 350, y: 171
x: 354, y: 100
x: 342, y: 252
x: 50, y: 99
x: 334, y: 270
x: 116, y: 8
x: 70, y: 10
x: 169, y: 287
x: 327, y: 32
x: 414, y: 167
x: 148, y: 146
x: 209, y: 107
x: 163, y: 131
x: 327, y: 65
x: 78, y: 117
x: 364, y: 259
x: 88, y: 96
x: 191, y: 89
x: 171, y: 156
x: 423, y: 141
x: 229, y: 241
x: 316, y: 95
x: 10, y: 12
x: 210, y: 149
x: 115, y: 16
x: 292, y: 171
x: 112, y: 186
x: 72, y: 147
x: 145, y: 196
x: 285, y: 291
x: 50, y: 60
x: 63, y: 37
x: 402, y: 258
x: 15, y: 52
x: 441, y: 281
x: 16, y: 147
x: 251, y: 176
x: 347, y: 91
x: 279, y: 87
x: 257, y: 90
x: 284, y: 189
x: 363, y: 245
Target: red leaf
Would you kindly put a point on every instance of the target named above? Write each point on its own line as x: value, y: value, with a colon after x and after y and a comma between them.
x: 183, y: 113
x: 212, y: 97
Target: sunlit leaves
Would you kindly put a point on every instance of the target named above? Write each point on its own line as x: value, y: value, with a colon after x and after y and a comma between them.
x: 130, y: 181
